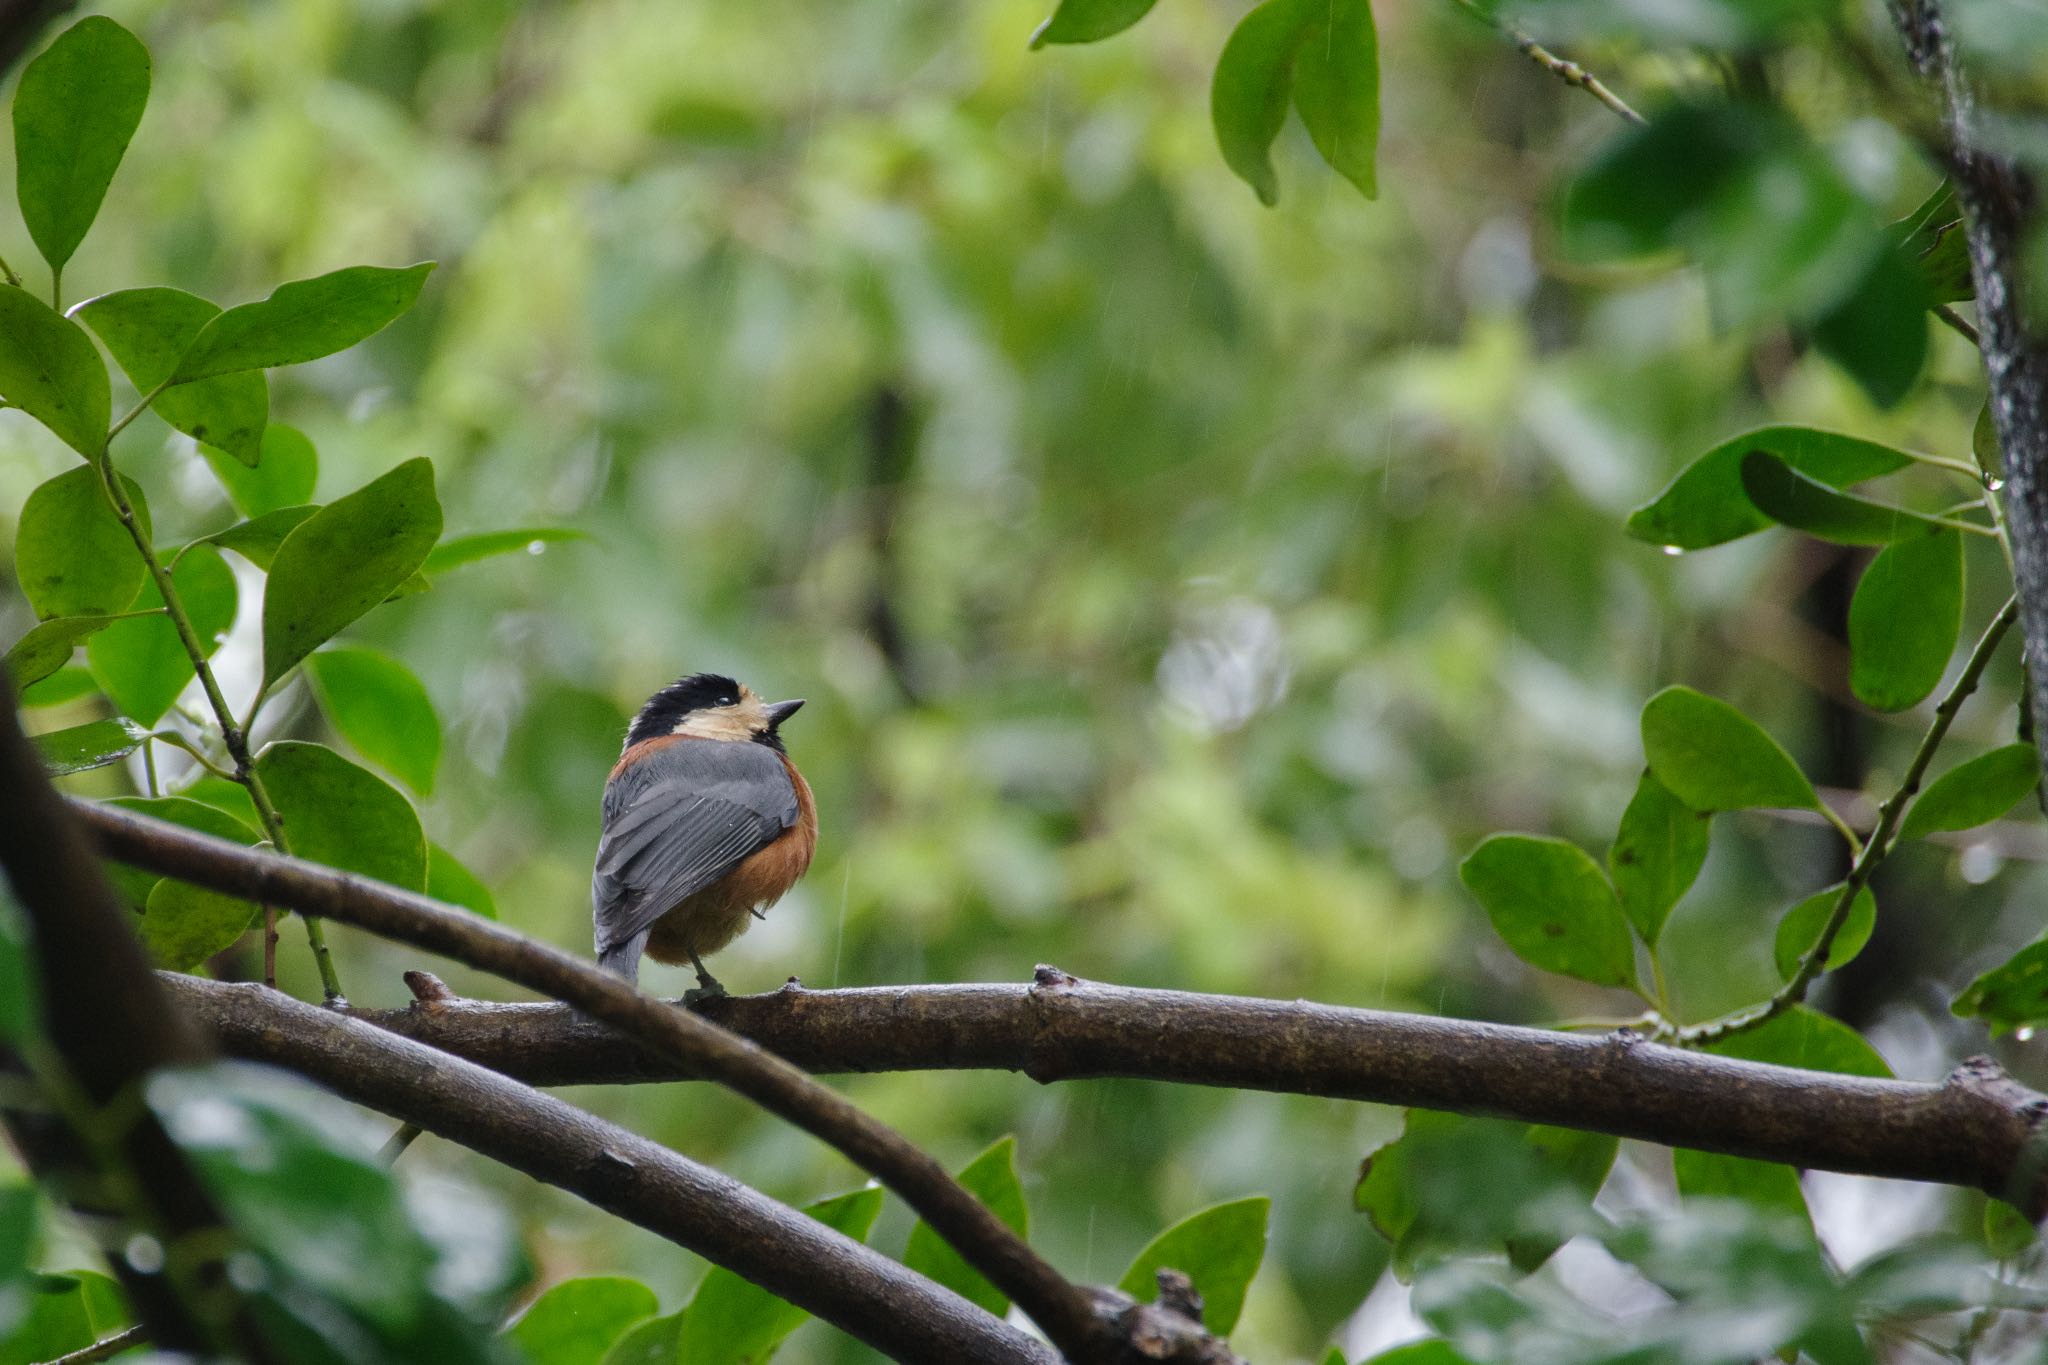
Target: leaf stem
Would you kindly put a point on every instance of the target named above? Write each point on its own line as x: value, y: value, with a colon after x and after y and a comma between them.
x: 57, y: 288
x: 1880, y: 844
x: 8, y: 271
x: 1842, y: 828
x: 1960, y: 325
x: 1571, y: 73
x: 234, y: 737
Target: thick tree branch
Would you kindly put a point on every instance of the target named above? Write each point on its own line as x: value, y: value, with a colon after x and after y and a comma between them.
x: 2001, y: 207
x: 895, y: 1310
x: 1977, y: 1128
x: 1079, y: 1322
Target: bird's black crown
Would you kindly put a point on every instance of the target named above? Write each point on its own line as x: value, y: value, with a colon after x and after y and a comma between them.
x: 666, y: 708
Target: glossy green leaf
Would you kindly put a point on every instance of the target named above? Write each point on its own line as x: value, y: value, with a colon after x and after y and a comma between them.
x: 1974, y: 793
x: 1219, y: 1248
x: 1711, y: 1175
x: 184, y: 925
x: 1337, y: 88
x: 71, y: 552
x: 222, y: 794
x: 1790, y: 498
x: 48, y: 647
x: 147, y: 330
x: 448, y: 880
x: 284, y: 478
x: 1878, y: 331
x: 1657, y: 855
x: 457, y: 551
x: 1904, y: 620
x: 92, y: 745
x: 992, y: 1178
x: 731, y: 1321
x: 2007, y: 1231
x: 1249, y: 95
x: 1089, y: 21
x: 1799, y: 930
x: 259, y: 539
x: 578, y: 1321
x: 1713, y: 758
x: 50, y: 370
x: 304, y: 320
x: 345, y: 559
x: 1932, y: 238
x: 1706, y: 504
x: 2012, y: 995
x: 653, y: 1342
x: 65, y: 685
x: 1805, y: 1037
x: 342, y: 815
x: 65, y: 1313
x: 141, y: 663
x: 77, y: 106
x: 377, y: 705
x: 1549, y: 901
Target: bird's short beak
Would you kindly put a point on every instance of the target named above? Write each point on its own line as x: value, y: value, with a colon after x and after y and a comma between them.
x: 780, y: 711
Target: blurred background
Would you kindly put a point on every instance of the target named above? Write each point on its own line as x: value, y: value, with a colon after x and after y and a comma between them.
x: 1180, y: 587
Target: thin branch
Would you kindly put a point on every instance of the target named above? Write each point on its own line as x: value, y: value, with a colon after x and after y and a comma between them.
x: 847, y: 1284
x: 1571, y: 73
x: 1066, y: 1313
x: 1871, y: 853
x: 106, y: 1348
x: 1958, y: 323
x: 1974, y: 1129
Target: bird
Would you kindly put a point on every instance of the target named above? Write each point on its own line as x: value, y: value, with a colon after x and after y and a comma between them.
x: 706, y: 822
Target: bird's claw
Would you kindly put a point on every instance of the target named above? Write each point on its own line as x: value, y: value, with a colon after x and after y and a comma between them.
x: 708, y: 988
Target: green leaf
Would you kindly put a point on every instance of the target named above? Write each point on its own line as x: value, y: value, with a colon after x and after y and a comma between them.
x: 1790, y: 498
x: 1974, y: 793
x: 1248, y: 98
x: 92, y: 745
x: 1904, y: 619
x: 76, y: 108
x: 1089, y: 21
x: 49, y: 369
x: 1549, y: 901
x: 1806, y: 1038
x: 66, y: 1313
x: 184, y: 925
x: 1932, y: 238
x: 1432, y: 1352
x: 345, y: 559
x: 1571, y: 1160
x: 141, y: 663
x: 377, y: 705
x: 147, y: 330
x: 1706, y: 505
x: 991, y: 1178
x: 284, y: 478
x: 1219, y: 1248
x: 1711, y: 1175
x: 1337, y: 88
x: 448, y: 880
x: 2007, y: 1231
x: 654, y: 1342
x: 1713, y: 758
x: 1800, y: 930
x: 222, y: 794
x: 344, y: 816
x: 1878, y: 332
x: 48, y: 647
x: 304, y: 320
x: 259, y: 539
x: 71, y: 553
x: 65, y: 685
x: 1657, y: 855
x: 2012, y: 995
x: 731, y: 1321
x: 460, y: 550
x: 579, y: 1320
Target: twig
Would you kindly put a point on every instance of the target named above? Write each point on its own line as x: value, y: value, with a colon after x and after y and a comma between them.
x: 856, y: 1289
x: 1064, y: 1311
x: 1872, y: 852
x: 395, y: 1146
x: 1571, y: 73
x: 1970, y: 1130
x: 106, y: 1348
x: 1958, y: 323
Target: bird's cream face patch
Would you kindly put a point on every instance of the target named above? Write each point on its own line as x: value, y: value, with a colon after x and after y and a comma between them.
x: 744, y: 720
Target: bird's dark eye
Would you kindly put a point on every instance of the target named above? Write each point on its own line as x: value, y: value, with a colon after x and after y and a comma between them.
x: 728, y: 700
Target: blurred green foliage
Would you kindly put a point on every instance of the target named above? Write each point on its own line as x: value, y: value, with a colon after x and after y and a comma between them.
x: 1180, y: 587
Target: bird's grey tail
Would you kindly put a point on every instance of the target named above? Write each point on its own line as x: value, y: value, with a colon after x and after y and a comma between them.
x: 623, y: 958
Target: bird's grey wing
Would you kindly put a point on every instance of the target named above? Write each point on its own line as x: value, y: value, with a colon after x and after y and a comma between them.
x: 676, y: 822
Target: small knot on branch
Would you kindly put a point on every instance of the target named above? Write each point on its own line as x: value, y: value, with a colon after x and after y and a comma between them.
x: 791, y: 987
x: 1164, y: 1331
x: 1177, y: 1294
x: 429, y: 992
x: 1045, y: 976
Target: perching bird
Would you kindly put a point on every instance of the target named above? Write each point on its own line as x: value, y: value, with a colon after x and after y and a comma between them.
x: 706, y: 821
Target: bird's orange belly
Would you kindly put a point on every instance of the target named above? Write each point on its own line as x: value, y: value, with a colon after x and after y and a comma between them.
x: 720, y: 913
